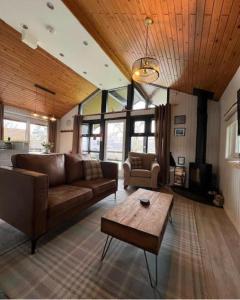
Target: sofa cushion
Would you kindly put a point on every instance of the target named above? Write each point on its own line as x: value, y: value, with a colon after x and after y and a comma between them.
x: 73, y: 167
x: 52, y: 165
x: 65, y: 197
x: 140, y: 173
x: 136, y: 162
x: 92, y: 169
x: 99, y: 186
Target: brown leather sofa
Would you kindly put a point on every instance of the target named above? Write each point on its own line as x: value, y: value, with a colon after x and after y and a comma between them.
x: 42, y: 191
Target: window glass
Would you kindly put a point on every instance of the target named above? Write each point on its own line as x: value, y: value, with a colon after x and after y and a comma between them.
x: 96, y: 129
x: 95, y: 144
x: 117, y: 100
x: 15, y: 130
x: 138, y: 101
x: 139, y: 126
x: 151, y: 144
x: 85, y: 141
x: 232, y: 141
x: 94, y: 155
x: 152, y: 126
x: 93, y: 105
x: 85, y: 129
x: 137, y: 144
x: 38, y: 135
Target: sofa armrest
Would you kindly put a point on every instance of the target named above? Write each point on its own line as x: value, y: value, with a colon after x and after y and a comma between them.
x: 24, y: 200
x: 155, y: 169
x: 110, y: 170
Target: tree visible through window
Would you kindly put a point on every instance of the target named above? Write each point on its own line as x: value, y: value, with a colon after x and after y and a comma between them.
x: 15, y: 130
x: 38, y: 135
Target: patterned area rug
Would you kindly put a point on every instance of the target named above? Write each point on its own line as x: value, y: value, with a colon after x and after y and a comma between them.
x: 67, y: 263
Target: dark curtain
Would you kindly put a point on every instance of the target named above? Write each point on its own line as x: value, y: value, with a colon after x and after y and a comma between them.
x: 76, y: 146
x: 52, y: 134
x: 162, y: 140
x: 1, y: 120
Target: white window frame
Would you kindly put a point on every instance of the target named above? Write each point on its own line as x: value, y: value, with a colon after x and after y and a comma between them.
x: 232, y: 150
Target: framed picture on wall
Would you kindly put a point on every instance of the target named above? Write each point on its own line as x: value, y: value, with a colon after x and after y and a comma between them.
x: 180, y: 119
x: 181, y: 160
x: 179, y: 131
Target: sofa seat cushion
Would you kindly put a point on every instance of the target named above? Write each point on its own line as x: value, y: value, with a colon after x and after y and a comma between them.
x: 65, y: 197
x: 140, y: 173
x: 99, y: 186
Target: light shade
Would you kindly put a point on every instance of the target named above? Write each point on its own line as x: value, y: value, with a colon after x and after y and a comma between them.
x: 145, y: 70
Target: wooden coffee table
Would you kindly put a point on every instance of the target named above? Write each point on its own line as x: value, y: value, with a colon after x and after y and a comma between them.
x: 140, y: 226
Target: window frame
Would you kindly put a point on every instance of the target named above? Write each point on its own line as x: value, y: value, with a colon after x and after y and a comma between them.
x: 7, y: 118
x: 90, y: 135
x: 146, y: 134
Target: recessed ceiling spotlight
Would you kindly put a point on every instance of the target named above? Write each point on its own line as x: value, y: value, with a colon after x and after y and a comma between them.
x: 50, y: 29
x: 84, y: 72
x: 50, y: 5
x: 24, y: 26
x: 61, y: 54
x: 85, y: 43
x: 106, y: 65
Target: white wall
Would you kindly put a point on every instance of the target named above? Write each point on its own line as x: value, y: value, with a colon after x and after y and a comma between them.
x: 64, y: 139
x: 229, y: 174
x: 185, y: 104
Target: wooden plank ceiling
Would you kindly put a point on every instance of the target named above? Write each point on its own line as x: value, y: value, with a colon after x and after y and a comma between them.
x: 197, y: 42
x: 21, y: 67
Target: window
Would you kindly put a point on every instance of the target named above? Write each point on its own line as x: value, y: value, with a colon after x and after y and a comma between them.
x: 15, y: 130
x: 38, y: 135
x: 232, y: 141
x: 138, y: 101
x: 91, y: 139
x: 142, y: 135
x: 92, y: 106
x: 117, y: 100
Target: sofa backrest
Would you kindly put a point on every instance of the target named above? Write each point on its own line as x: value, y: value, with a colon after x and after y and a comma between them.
x: 73, y: 167
x: 147, y: 158
x: 52, y: 165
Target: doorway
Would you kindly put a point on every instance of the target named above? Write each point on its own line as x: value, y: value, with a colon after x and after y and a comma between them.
x: 115, y: 143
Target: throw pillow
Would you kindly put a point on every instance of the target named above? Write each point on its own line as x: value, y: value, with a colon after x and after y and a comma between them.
x: 92, y: 169
x: 136, y: 162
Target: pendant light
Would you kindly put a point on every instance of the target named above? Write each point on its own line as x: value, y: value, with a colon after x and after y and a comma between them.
x: 146, y: 69
x: 52, y: 118
x: 45, y: 117
x: 35, y: 114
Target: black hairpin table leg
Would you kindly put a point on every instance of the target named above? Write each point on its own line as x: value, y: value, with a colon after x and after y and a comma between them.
x: 106, y: 247
x: 148, y: 269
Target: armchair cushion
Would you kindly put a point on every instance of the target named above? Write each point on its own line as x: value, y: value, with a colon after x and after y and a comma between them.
x: 92, y: 169
x: 136, y: 162
x: 140, y: 173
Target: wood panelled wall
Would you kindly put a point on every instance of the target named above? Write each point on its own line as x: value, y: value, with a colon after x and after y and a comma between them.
x: 21, y: 67
x: 197, y: 42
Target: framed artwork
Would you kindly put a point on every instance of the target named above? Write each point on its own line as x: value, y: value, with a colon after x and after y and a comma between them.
x: 180, y: 119
x: 179, y: 131
x: 181, y: 160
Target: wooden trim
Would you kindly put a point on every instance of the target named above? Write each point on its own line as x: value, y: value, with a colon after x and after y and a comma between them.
x: 64, y: 131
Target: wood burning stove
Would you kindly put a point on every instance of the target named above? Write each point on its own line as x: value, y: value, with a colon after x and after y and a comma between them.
x: 200, y: 173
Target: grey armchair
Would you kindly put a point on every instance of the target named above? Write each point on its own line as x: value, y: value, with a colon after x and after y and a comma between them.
x: 144, y: 177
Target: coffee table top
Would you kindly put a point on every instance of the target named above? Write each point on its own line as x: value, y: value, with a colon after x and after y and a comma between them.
x: 132, y: 214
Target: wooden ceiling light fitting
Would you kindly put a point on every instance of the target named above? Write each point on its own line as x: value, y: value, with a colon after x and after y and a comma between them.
x: 146, y: 69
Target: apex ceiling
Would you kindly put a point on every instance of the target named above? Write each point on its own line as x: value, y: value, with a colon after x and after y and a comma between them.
x: 21, y: 67
x: 197, y: 42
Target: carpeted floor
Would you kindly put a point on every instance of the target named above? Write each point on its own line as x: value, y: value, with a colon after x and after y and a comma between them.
x: 67, y: 263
